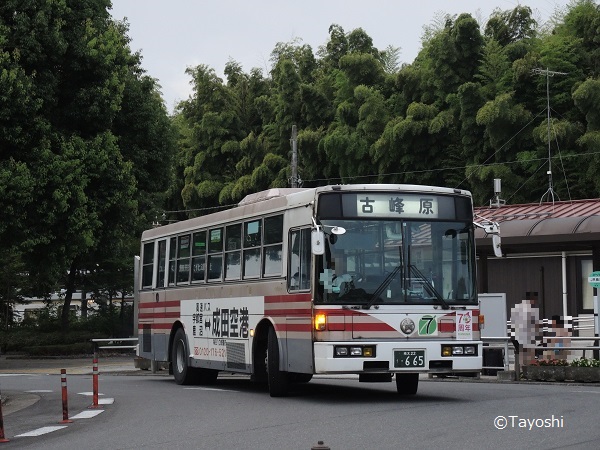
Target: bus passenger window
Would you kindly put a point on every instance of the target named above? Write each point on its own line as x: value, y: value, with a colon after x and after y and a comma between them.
x: 252, y: 241
x: 215, y: 254
x: 161, y: 266
x: 215, y: 267
x: 183, y: 260
x: 147, y: 265
x: 199, y: 256
x: 233, y: 260
x: 273, y: 246
x: 172, y: 256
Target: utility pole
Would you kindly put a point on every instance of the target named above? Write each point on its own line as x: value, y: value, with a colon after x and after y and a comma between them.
x: 294, y: 180
x: 548, y: 73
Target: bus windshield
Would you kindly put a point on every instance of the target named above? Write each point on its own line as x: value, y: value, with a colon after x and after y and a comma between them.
x: 379, y: 262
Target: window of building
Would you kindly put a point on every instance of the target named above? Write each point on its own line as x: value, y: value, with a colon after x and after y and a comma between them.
x: 587, y: 292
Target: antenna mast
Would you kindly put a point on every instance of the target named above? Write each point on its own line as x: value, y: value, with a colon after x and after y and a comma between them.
x: 549, y: 73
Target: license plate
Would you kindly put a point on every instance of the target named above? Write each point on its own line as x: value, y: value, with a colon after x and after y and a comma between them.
x: 409, y: 358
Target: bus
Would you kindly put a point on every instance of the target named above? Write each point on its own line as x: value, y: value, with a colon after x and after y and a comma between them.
x: 374, y: 280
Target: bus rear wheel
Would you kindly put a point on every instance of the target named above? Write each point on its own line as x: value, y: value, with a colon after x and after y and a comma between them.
x: 407, y: 383
x: 182, y: 372
x: 278, y: 380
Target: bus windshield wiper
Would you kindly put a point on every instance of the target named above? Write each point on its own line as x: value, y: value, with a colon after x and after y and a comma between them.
x: 384, y: 284
x: 429, y: 286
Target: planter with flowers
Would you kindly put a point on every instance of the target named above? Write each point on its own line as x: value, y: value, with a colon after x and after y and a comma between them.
x: 546, y: 370
x: 581, y: 370
x: 584, y: 370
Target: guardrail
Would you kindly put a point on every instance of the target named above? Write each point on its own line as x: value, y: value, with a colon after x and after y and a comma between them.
x: 506, y: 340
x: 112, y: 343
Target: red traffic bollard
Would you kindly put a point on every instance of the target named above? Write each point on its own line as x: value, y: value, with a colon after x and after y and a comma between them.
x: 65, y: 405
x: 95, y: 380
x: 2, y: 438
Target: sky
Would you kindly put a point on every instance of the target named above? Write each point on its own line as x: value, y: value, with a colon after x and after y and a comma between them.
x: 172, y: 35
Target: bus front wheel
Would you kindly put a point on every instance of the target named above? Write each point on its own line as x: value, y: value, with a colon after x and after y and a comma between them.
x: 407, y: 383
x: 278, y: 380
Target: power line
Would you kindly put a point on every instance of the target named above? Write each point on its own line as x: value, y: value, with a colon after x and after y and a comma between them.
x: 415, y: 172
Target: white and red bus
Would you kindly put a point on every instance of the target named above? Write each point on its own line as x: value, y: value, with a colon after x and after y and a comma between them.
x: 373, y: 280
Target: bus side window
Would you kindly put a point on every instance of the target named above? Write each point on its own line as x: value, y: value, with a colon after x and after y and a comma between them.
x: 147, y: 265
x: 299, y: 258
x: 273, y: 246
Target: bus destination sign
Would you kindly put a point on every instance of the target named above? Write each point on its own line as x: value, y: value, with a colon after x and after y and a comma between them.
x: 397, y: 205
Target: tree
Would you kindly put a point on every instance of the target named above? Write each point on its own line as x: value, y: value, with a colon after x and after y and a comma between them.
x: 66, y: 66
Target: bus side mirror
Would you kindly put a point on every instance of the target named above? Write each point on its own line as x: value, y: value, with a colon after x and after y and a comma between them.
x: 317, y: 240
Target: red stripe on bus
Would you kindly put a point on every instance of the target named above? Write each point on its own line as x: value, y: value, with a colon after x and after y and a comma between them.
x: 160, y: 315
x: 152, y: 305
x: 446, y: 327
x: 156, y: 326
x: 375, y: 326
x: 297, y: 327
x: 288, y: 312
x: 287, y: 298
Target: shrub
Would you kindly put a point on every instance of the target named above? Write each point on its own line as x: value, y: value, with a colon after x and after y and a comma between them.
x: 550, y: 362
x: 584, y: 362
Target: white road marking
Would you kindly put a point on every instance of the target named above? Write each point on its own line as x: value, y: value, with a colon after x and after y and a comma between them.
x: 587, y: 392
x: 40, y: 431
x: 40, y: 391
x: 90, y: 393
x: 106, y: 401
x: 210, y: 389
x: 87, y: 414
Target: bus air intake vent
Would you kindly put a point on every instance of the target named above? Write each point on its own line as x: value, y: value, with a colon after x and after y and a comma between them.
x: 236, y: 356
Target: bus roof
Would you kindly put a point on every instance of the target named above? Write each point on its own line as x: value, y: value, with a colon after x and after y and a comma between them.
x: 280, y: 199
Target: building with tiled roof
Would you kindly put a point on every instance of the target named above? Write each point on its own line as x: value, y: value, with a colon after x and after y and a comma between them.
x: 548, y: 248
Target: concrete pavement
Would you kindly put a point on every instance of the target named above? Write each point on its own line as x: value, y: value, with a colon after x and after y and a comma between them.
x: 73, y: 366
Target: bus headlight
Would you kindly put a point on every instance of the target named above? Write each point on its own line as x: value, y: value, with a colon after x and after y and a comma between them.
x: 459, y: 350
x: 355, y: 351
x: 470, y: 350
x: 341, y: 351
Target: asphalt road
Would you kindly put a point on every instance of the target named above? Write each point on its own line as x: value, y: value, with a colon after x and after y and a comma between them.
x: 145, y: 410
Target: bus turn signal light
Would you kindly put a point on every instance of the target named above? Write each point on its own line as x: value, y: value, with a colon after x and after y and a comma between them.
x: 320, y: 322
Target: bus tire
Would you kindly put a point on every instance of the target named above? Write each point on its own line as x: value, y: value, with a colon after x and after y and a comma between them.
x: 182, y: 372
x: 259, y: 372
x: 407, y: 383
x: 278, y: 380
x: 299, y: 377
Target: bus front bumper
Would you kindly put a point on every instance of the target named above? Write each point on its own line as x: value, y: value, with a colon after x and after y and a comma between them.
x: 405, y: 356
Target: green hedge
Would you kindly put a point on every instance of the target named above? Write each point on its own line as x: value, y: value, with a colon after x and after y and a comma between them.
x: 80, y: 348
x: 36, y: 343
